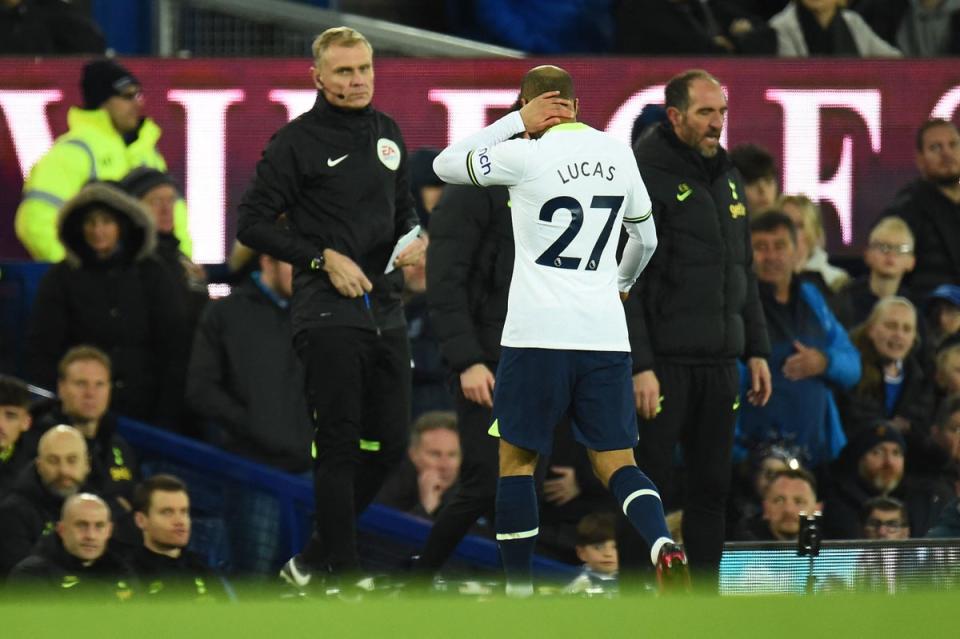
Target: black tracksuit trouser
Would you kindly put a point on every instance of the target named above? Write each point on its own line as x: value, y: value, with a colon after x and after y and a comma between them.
x: 358, y: 385
x: 699, y: 413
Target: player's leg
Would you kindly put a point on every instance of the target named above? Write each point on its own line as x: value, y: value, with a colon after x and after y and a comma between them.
x: 637, y: 495
x: 533, y: 390
x: 605, y: 421
x: 655, y: 455
x: 517, y: 517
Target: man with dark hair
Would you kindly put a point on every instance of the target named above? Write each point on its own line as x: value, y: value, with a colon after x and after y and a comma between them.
x: 15, y: 419
x: 163, y: 563
x: 83, y: 390
x: 423, y: 483
x: 811, y: 353
x: 340, y: 174
x: 61, y: 469
x: 108, y: 136
x: 77, y: 561
x: 565, y: 346
x: 760, y: 176
x: 930, y: 205
x: 693, y: 314
x: 791, y: 493
x: 884, y: 518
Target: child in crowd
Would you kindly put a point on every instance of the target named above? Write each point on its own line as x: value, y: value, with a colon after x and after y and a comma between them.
x: 597, y: 549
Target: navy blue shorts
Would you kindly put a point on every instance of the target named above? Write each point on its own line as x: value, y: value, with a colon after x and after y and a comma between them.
x: 536, y: 387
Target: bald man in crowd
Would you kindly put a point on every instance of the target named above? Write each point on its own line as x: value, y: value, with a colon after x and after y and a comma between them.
x: 77, y: 559
x: 31, y: 509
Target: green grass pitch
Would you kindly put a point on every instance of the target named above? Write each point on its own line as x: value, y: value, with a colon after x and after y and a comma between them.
x: 926, y: 615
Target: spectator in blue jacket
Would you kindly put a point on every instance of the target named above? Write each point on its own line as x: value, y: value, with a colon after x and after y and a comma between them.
x: 811, y: 353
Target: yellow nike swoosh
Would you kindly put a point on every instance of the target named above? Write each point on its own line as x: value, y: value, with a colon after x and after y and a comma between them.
x: 682, y: 196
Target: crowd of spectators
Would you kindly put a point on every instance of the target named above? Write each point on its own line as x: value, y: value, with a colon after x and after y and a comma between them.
x: 863, y: 423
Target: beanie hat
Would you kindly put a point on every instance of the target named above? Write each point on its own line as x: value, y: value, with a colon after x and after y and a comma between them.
x: 866, y: 439
x: 143, y: 179
x: 103, y: 79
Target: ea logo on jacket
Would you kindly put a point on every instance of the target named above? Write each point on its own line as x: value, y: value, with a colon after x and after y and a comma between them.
x: 389, y: 153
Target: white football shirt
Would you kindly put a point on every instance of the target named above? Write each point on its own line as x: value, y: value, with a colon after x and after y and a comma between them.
x: 570, y: 191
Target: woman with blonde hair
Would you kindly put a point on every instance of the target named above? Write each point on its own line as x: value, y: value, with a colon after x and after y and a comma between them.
x: 893, y: 386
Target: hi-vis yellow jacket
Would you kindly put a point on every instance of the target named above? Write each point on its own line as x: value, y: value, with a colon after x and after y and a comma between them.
x: 92, y: 149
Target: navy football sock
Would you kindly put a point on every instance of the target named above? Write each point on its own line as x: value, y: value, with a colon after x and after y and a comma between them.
x: 641, y: 503
x: 517, y: 527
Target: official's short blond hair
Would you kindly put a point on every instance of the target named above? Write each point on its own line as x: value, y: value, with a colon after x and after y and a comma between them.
x: 341, y: 36
x: 892, y: 224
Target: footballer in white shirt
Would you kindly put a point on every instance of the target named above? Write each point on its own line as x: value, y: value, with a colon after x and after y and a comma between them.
x: 566, y: 349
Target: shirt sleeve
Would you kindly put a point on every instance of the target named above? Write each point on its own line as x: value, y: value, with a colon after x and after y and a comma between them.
x: 481, y: 159
x: 641, y: 235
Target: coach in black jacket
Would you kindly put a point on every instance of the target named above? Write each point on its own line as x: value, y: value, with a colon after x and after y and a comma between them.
x: 339, y: 173
x: 469, y: 265
x: 694, y: 312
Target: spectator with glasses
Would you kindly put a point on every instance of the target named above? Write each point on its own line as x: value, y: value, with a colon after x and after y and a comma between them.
x: 889, y: 256
x: 885, y: 518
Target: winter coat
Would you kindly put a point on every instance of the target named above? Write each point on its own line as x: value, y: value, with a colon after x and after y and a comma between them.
x: 127, y: 305
x: 697, y: 300
x: 471, y: 262
x: 92, y: 149
x: 245, y: 377
x: 51, y: 569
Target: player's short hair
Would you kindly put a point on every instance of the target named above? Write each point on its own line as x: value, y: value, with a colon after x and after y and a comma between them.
x: 892, y: 224
x: 13, y: 392
x: 794, y: 473
x: 596, y: 528
x: 754, y: 162
x: 932, y: 123
x: 82, y: 353
x: 546, y: 78
x: 677, y: 92
x: 885, y: 504
x: 340, y: 36
x: 772, y: 221
x: 143, y: 493
x: 432, y: 420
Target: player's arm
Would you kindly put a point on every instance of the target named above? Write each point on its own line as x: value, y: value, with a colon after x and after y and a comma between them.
x: 478, y: 160
x: 469, y: 161
x: 641, y: 237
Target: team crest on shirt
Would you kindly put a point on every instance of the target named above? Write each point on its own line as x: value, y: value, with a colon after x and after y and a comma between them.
x: 389, y: 153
